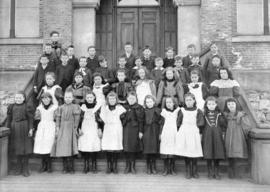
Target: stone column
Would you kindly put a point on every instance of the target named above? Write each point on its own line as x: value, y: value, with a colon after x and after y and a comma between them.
x: 84, y: 25
x: 188, y: 22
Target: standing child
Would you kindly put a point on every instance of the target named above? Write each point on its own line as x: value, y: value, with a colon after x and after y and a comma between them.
x: 72, y: 60
x: 170, y: 86
x: 49, y: 54
x: 122, y: 66
x: 170, y: 113
x: 196, y: 65
x: 54, y: 90
x: 188, y: 140
x: 89, y: 142
x: 181, y: 71
x: 87, y: 74
x: 78, y: 89
x: 20, y: 122
x: 169, y: 59
x: 157, y: 72
x: 67, y: 121
x: 121, y: 88
x: 100, y: 89
x: 45, y: 134
x: 56, y: 45
x: 236, y: 134
x: 147, y: 59
x: 224, y: 87
x: 112, y: 139
x: 104, y: 70
x: 198, y: 89
x: 150, y: 133
x: 134, y: 70
x: 213, y: 144
x: 144, y: 86
x: 92, y: 60
x: 130, y: 57
x: 191, y: 48
x: 132, y: 122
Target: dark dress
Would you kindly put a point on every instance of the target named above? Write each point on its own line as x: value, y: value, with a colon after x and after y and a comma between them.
x: 212, y: 142
x: 64, y: 75
x: 87, y: 76
x: 157, y: 75
x: 122, y: 89
x: 151, y: 129
x: 74, y: 62
x: 79, y: 92
x: 186, y: 61
x: 130, y: 60
x: 92, y: 64
x: 236, y: 135
x: 132, y: 122
x: 149, y: 63
x: 20, y: 119
x: 106, y: 73
x: 168, y: 62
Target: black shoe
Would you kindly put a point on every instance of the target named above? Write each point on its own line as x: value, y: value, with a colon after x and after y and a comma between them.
x: 94, y: 166
x: 26, y: 172
x: 49, y: 165
x: 133, y: 165
x: 128, y: 167
x: 65, y: 166
x: 109, y: 168
x: 115, y: 170
x: 165, y: 171
x: 153, y: 167
x: 188, y: 171
x: 148, y: 167
x: 216, y: 173
x: 86, y: 166
x: 71, y: 166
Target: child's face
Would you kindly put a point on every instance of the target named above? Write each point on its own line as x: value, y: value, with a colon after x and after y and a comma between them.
x: 83, y: 62
x: 44, y: 60
x: 147, y: 53
x: 214, y: 48
x: 112, y: 100
x: 64, y: 59
x: 78, y: 79
x: 159, y: 63
x: 169, y: 103
x: 178, y: 63
x: 141, y: 73
x: 231, y: 106
x: 216, y: 62
x: 103, y: 63
x: 211, y: 105
x: 55, y: 37
x: 189, y: 101
x: 70, y: 51
x: 194, y: 78
x: 122, y: 62
x: 90, y: 98
x: 48, y: 49
x: 195, y: 60
x: 97, y: 80
x: 138, y: 62
x: 46, y: 100
x: 169, y: 53
x: 49, y: 80
x: 92, y: 52
x: 149, y: 103
x: 131, y: 99
x: 128, y: 48
x: 19, y: 98
x: 121, y: 76
x: 169, y: 74
x: 68, y: 98
x: 191, y: 50
x: 223, y: 74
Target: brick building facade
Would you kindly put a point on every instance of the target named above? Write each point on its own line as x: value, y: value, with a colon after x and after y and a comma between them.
x: 197, y: 21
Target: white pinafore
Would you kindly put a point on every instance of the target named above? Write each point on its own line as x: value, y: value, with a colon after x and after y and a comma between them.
x: 89, y: 140
x: 112, y: 139
x: 100, y: 97
x: 188, y: 140
x: 198, y: 95
x: 45, y: 135
x: 168, y: 134
x: 142, y: 90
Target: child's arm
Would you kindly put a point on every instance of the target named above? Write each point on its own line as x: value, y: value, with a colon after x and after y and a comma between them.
x: 205, y: 91
x: 180, y: 93
x: 9, y: 115
x: 160, y: 92
x: 36, y: 80
x: 213, y: 91
x: 222, y: 122
x: 58, y: 114
x: 140, y: 118
x: 30, y: 117
x: 179, y: 119
x: 186, y: 78
x: 76, y: 114
x: 236, y: 90
x: 99, y: 121
x: 161, y: 123
x: 200, y: 120
x: 59, y: 95
x: 153, y: 88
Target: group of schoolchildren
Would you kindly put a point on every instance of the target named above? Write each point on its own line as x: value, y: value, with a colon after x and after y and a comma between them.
x: 167, y: 108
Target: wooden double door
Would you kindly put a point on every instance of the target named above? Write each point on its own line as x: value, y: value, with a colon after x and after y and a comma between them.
x: 141, y: 27
x: 154, y: 26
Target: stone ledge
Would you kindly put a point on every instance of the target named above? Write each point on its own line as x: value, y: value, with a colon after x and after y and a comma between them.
x: 21, y: 41
x: 251, y: 38
x: 4, y: 131
x: 86, y: 3
x: 260, y: 133
x: 187, y: 2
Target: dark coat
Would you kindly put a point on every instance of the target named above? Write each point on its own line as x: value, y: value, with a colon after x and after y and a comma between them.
x: 151, y: 129
x: 122, y: 93
x: 64, y: 75
x: 20, y: 118
x: 92, y: 64
x: 168, y: 62
x: 132, y: 122
x: 106, y: 73
x: 87, y: 76
x: 148, y: 63
x: 39, y: 75
x: 79, y: 92
x: 74, y: 62
x: 186, y: 61
x: 157, y: 75
x: 212, y: 141
x: 183, y: 75
x: 130, y: 61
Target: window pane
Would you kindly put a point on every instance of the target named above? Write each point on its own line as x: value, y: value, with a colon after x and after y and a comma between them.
x: 250, y: 17
x: 137, y: 2
x: 4, y: 18
x: 27, y: 18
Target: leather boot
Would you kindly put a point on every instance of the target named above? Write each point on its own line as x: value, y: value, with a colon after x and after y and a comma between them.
x: 165, y: 170
x: 109, y: 168
x: 153, y: 166
x: 19, y: 166
x: 49, y: 164
x: 25, y: 167
x: 65, y: 166
x: 127, y: 168
x: 133, y: 165
x: 148, y: 166
x: 94, y: 165
x: 188, y: 168
x: 172, y: 167
x: 43, y: 165
x: 210, y: 170
x: 216, y: 170
x: 195, y: 169
x: 71, y: 165
x: 115, y: 169
x: 86, y: 165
